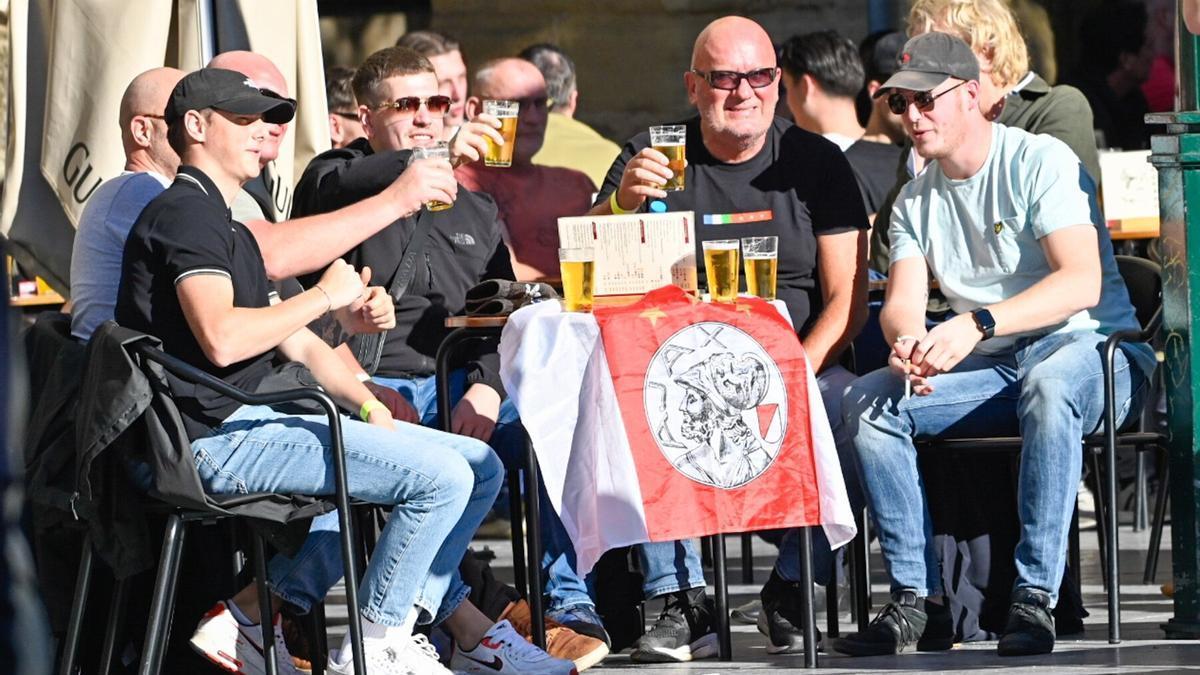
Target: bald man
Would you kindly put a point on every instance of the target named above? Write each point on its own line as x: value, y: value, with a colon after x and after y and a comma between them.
x: 531, y: 197
x: 150, y: 166
x: 777, y: 179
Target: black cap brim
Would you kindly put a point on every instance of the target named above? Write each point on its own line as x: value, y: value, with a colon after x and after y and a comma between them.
x: 912, y: 80
x: 273, y: 110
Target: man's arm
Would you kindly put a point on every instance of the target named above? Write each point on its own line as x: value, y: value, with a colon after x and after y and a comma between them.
x: 228, y: 334
x: 905, y: 300
x: 1073, y: 285
x: 844, y: 292
x: 642, y: 178
x: 303, y: 245
x: 333, y: 376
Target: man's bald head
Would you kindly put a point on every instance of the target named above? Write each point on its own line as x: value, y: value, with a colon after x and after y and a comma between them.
x: 729, y: 34
x: 734, y: 122
x: 254, y: 66
x: 518, y: 80
x: 143, y: 129
x: 264, y: 73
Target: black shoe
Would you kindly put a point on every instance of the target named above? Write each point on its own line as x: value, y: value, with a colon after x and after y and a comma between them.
x: 1029, y: 630
x: 582, y: 619
x: 684, y: 631
x: 781, y: 619
x: 939, y: 628
x: 897, y: 626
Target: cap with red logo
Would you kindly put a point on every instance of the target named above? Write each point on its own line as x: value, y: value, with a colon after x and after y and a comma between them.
x: 930, y: 59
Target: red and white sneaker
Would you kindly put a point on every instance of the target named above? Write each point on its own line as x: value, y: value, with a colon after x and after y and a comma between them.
x: 236, y: 648
x: 504, y: 651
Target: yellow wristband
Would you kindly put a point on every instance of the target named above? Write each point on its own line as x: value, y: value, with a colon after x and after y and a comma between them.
x: 371, y: 405
x: 615, y: 207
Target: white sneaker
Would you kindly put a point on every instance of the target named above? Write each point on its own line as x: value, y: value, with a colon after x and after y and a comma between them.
x: 503, y: 650
x: 413, y: 657
x: 236, y: 648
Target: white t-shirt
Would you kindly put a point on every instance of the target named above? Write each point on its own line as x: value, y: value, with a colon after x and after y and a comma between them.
x: 980, y: 235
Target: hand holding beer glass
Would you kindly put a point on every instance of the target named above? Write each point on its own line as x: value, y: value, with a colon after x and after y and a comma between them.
x: 578, y: 269
x: 761, y: 256
x: 721, y: 269
x: 671, y: 140
x: 438, y: 151
x: 506, y: 112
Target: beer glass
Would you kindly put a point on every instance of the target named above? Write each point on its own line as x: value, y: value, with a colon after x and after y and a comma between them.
x: 761, y: 257
x: 506, y: 111
x: 578, y: 268
x: 671, y: 140
x: 721, y: 268
x: 439, y: 150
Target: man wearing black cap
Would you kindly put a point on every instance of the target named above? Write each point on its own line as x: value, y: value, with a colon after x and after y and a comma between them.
x: 195, y: 278
x: 1007, y: 223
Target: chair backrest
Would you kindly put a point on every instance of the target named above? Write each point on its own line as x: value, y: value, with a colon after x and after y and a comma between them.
x: 1143, y: 279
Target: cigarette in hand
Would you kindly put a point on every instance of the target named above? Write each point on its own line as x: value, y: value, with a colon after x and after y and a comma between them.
x: 907, y: 381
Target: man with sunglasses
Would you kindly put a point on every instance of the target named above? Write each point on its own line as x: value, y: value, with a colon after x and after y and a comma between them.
x: 530, y: 197
x: 344, y: 125
x: 1007, y: 223
x: 447, y: 253
x: 766, y: 176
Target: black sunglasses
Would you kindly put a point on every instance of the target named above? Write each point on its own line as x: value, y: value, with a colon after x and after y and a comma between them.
x: 408, y: 105
x: 898, y: 103
x: 730, y: 80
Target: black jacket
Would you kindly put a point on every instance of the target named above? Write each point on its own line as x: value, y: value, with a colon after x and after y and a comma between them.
x: 464, y: 247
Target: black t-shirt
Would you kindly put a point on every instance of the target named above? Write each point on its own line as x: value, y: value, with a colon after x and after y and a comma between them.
x: 797, y: 187
x: 186, y: 231
x: 874, y: 166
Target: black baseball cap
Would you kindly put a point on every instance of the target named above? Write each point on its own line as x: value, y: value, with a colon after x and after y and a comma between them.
x: 879, y: 59
x: 229, y: 91
x: 928, y: 60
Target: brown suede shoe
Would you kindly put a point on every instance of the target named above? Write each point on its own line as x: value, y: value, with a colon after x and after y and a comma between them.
x: 561, y: 642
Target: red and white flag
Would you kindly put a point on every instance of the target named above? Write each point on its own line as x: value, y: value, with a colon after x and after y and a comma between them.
x: 692, y: 419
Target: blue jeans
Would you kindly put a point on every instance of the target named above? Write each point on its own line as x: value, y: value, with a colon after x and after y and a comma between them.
x: 425, y: 475
x: 563, y: 585
x: 1049, y: 390
x: 673, y: 566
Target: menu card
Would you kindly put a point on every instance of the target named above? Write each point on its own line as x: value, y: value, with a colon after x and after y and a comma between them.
x: 637, y: 252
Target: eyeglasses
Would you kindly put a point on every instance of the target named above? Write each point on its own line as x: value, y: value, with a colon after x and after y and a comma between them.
x: 898, y: 103
x: 535, y: 102
x: 345, y: 115
x: 408, y: 105
x: 150, y: 115
x: 730, y: 80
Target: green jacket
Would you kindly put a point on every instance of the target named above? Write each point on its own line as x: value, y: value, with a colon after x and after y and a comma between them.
x: 1060, y: 111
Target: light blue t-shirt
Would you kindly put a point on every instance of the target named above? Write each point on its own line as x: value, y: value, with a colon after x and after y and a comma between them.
x: 980, y: 235
x: 100, y: 245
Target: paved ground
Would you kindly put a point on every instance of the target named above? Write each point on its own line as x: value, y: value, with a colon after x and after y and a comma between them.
x: 1143, y: 650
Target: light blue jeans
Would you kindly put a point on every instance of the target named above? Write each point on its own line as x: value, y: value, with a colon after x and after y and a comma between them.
x: 1049, y: 390
x: 431, y: 479
x: 673, y: 566
x: 564, y: 588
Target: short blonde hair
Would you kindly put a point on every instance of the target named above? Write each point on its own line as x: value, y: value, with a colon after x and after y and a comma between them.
x: 987, y: 25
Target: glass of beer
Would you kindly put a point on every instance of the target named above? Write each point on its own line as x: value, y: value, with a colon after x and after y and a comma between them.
x: 671, y: 140
x: 506, y: 111
x: 761, y: 257
x: 578, y: 268
x: 439, y: 150
x: 721, y: 268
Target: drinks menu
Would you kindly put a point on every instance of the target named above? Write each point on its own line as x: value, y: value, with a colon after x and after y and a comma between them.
x: 638, y: 252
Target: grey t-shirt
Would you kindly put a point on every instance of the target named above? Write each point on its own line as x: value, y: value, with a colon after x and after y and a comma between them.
x: 100, y: 244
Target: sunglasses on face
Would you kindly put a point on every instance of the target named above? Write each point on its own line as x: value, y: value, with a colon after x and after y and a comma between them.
x: 730, y: 80
x: 408, y: 105
x: 898, y: 103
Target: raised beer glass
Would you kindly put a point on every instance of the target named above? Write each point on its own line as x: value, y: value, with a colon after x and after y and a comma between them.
x: 761, y: 257
x: 721, y: 269
x: 439, y: 150
x: 578, y: 269
x: 506, y: 111
x: 671, y: 140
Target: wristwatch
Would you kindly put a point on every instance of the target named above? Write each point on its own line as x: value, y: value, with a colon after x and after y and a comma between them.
x: 984, y: 322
